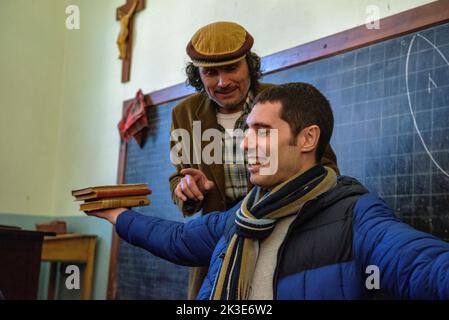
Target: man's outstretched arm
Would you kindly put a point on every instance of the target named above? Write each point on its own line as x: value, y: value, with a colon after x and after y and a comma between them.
x: 412, y: 264
x: 190, y: 243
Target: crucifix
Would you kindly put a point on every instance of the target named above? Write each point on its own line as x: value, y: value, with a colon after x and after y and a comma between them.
x: 125, y: 15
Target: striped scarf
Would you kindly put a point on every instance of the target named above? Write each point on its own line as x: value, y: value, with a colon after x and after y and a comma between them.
x: 256, y: 219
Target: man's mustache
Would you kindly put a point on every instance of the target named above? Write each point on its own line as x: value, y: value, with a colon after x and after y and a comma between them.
x: 225, y: 90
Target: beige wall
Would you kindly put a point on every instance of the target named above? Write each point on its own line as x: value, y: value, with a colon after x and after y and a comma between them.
x: 61, y: 95
x: 32, y: 53
x: 88, y: 140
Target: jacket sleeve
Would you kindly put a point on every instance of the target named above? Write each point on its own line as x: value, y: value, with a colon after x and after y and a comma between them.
x: 191, y: 243
x: 187, y: 208
x: 412, y: 264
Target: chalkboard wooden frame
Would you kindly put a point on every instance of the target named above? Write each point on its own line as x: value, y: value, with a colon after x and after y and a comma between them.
x: 393, y: 26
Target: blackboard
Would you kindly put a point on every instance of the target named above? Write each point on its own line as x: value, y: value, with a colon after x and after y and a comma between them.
x: 391, y: 107
x: 140, y: 274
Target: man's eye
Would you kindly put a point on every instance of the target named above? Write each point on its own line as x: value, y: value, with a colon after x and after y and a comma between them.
x: 262, y: 133
x: 210, y: 72
x: 231, y: 68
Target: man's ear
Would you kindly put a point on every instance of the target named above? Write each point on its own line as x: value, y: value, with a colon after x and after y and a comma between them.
x: 309, y: 138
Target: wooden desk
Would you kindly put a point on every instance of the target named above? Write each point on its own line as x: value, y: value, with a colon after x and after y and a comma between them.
x: 20, y: 252
x: 75, y: 248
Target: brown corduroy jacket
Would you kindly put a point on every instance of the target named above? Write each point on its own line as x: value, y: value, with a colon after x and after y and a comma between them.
x: 199, y: 107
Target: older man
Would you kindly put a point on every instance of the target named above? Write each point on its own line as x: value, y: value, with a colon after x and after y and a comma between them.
x: 301, y: 232
x: 226, y: 75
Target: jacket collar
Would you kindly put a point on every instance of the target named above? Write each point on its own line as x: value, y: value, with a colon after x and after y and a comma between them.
x: 206, y: 111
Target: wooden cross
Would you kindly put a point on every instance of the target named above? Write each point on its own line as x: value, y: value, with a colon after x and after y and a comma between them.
x: 125, y: 15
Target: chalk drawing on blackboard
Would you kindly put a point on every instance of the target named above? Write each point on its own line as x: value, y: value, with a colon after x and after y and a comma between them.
x: 431, y: 82
x: 429, y: 91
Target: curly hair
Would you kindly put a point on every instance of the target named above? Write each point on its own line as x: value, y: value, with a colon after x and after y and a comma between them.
x: 255, y: 73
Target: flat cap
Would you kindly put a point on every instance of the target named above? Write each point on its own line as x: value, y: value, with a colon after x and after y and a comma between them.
x: 218, y: 44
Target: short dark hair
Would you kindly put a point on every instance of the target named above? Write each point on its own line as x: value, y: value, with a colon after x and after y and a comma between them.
x: 255, y: 73
x: 303, y: 105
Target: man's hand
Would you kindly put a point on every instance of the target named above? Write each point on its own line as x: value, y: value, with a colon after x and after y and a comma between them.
x: 194, y: 185
x: 108, y: 214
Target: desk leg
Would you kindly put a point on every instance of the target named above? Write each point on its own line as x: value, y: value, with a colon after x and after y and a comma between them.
x: 52, y: 281
x: 86, y: 290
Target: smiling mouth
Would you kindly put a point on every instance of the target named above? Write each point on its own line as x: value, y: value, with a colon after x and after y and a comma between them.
x: 256, y: 163
x: 225, y: 93
x: 253, y: 168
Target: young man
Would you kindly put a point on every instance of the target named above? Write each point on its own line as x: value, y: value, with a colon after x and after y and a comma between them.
x: 301, y: 232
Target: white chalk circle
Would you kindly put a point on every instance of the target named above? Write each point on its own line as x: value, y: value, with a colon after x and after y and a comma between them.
x: 410, y: 102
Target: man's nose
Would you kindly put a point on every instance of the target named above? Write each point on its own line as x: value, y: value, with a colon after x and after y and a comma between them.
x: 223, y: 80
x: 246, y: 143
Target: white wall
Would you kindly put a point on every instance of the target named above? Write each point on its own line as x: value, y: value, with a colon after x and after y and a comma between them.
x: 32, y: 52
x: 165, y: 27
x: 88, y: 139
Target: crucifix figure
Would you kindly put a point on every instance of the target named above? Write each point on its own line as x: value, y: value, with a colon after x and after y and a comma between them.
x: 125, y: 15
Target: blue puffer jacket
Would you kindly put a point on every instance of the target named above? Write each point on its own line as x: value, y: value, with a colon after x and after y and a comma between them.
x: 327, y: 251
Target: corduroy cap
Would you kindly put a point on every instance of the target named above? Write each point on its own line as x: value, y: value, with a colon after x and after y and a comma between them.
x: 218, y: 44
